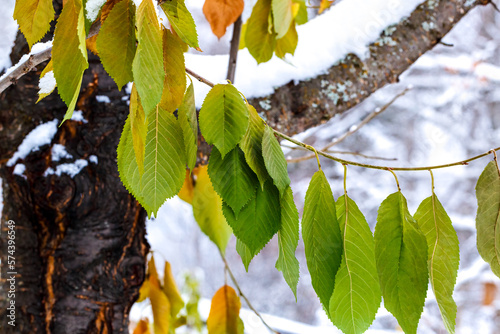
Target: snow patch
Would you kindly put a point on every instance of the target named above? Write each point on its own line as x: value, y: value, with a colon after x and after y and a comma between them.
x: 93, y: 159
x: 71, y: 169
x: 78, y: 116
x: 39, y: 136
x: 47, y: 83
x: 35, y: 49
x: 59, y: 152
x: 92, y: 8
x: 346, y: 29
x: 102, y: 99
x: 19, y: 169
x: 8, y: 31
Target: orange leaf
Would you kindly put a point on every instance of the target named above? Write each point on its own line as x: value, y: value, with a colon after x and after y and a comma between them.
x: 224, y: 317
x: 91, y: 44
x: 186, y: 192
x: 221, y: 14
x: 142, y: 327
x: 324, y: 5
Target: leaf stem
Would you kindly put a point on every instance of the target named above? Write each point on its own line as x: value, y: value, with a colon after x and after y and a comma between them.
x: 235, y: 282
x: 315, y: 152
x: 345, y: 178
x: 496, y: 160
x: 395, y: 176
x: 432, y: 179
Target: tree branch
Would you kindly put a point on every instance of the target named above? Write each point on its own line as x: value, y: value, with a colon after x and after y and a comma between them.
x: 233, y: 52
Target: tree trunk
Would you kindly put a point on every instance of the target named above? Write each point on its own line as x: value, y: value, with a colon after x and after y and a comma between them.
x: 80, y: 242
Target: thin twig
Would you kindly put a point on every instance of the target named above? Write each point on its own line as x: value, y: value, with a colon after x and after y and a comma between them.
x: 235, y: 282
x: 356, y: 128
x: 300, y: 159
x: 199, y: 77
x: 233, y: 52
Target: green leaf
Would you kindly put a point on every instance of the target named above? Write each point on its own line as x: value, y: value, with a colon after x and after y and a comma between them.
x: 300, y: 11
x: 127, y: 165
x: 147, y: 67
x: 245, y: 253
x: 251, y: 144
x: 223, y: 117
x: 288, y: 43
x: 116, y: 42
x: 175, y: 75
x: 442, y: 254
x: 288, y: 239
x: 275, y: 160
x: 207, y: 210
x: 139, y: 128
x: 488, y: 216
x: 322, y: 239
x: 232, y: 178
x: 69, y: 54
x: 356, y: 297
x: 283, y: 16
x: 164, y: 162
x: 260, y: 39
x: 258, y: 221
x: 34, y: 17
x: 401, y: 254
x: 189, y: 125
x: 182, y: 21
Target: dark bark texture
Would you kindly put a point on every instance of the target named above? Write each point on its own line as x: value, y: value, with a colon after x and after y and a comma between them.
x: 80, y: 241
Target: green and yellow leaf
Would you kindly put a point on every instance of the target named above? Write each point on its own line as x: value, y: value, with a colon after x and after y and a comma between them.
x: 175, y: 75
x: 181, y: 21
x: 34, y: 17
x: 139, y: 128
x: 171, y: 291
x: 283, y: 16
x: 275, y: 160
x: 260, y: 38
x: 224, y: 316
x: 189, y: 124
x: 288, y: 43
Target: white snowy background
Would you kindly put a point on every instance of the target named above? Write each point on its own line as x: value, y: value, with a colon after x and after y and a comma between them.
x: 449, y: 115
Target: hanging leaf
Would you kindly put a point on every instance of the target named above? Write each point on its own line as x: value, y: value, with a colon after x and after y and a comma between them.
x: 442, y: 254
x: 324, y: 5
x: 69, y: 54
x: 232, y: 178
x: 401, y: 254
x: 260, y: 39
x: 288, y: 239
x: 488, y: 216
x: 187, y: 191
x: 189, y: 125
x: 300, y: 11
x: 171, y: 291
x: 245, y: 253
x: 182, y: 22
x: 47, y: 82
x: 259, y: 219
x: 34, y: 17
x: 275, y: 160
x: 221, y: 14
x: 164, y: 166
x: 106, y: 9
x: 322, y: 239
x: 175, y: 75
x: 251, y: 144
x: 116, y: 42
x: 147, y: 66
x: 161, y: 310
x: 223, y: 118
x: 242, y: 36
x: 224, y: 316
x: 356, y: 296
x: 142, y: 327
x: 288, y: 43
x: 207, y: 210
x: 283, y: 16
x: 139, y: 128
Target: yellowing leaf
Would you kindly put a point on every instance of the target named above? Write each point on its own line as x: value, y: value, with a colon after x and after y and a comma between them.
x: 147, y: 67
x: 186, y: 192
x: 207, y: 210
x: 139, y: 128
x: 161, y: 310
x: 152, y: 273
x: 33, y: 17
x: 221, y: 14
x: 224, y: 316
x: 144, y: 291
x: 142, y: 327
x: 283, y: 16
x: 260, y: 39
x: 324, y: 5
x: 175, y: 75
x: 288, y: 43
x: 106, y: 9
x: 172, y: 292
x: 116, y: 42
x: 189, y: 124
x: 181, y: 21
x: 69, y: 53
x: 90, y: 43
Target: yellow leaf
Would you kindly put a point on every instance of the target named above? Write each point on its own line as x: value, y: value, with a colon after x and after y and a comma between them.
x: 186, y: 193
x: 282, y: 16
x: 144, y: 291
x: 153, y: 274
x: 224, y: 317
x: 139, y: 128
x: 161, y: 310
x: 142, y: 327
x: 288, y: 43
x: 33, y: 17
x: 174, y: 84
x: 324, y: 5
x: 170, y: 289
x: 207, y: 210
x: 221, y: 14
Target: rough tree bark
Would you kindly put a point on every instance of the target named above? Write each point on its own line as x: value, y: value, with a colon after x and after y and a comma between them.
x: 80, y: 242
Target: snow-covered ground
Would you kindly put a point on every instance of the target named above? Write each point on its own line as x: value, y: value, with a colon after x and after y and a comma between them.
x: 449, y: 115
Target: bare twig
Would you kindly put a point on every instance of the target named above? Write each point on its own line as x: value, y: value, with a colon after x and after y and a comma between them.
x: 235, y: 282
x: 233, y: 52
x: 199, y: 78
x: 293, y: 160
